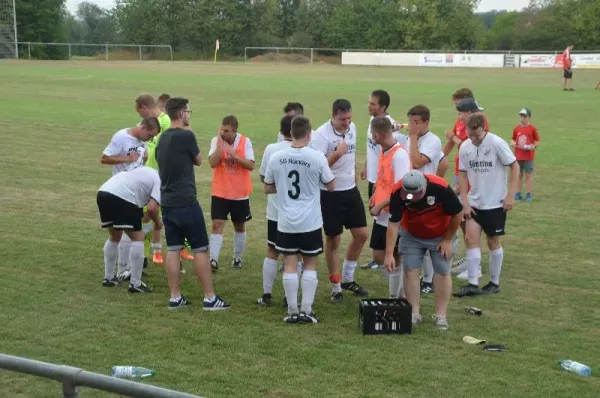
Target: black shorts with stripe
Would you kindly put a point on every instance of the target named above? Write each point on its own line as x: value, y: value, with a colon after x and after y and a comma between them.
x: 118, y: 213
x: 271, y: 233
x: 309, y: 244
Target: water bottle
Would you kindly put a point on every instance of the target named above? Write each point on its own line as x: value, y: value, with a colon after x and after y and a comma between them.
x: 576, y: 367
x: 133, y: 372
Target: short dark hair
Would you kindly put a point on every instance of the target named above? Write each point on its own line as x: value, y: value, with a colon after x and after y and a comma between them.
x: 294, y: 106
x: 340, y: 105
x: 231, y: 121
x: 381, y: 125
x: 476, y: 121
x: 382, y: 97
x: 163, y: 98
x: 285, y: 126
x: 462, y: 93
x: 420, y: 110
x: 174, y: 106
x: 150, y: 123
x: 145, y: 101
x: 300, y: 127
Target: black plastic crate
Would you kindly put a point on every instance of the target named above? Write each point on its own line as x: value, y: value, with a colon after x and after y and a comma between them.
x: 385, y: 316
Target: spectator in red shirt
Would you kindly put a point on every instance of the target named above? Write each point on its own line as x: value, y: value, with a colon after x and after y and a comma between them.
x: 525, y: 139
x: 567, y: 62
x: 431, y: 214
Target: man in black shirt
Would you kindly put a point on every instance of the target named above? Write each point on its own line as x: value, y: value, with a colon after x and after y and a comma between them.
x: 176, y: 154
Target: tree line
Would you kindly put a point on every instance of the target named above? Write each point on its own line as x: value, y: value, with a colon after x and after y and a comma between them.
x: 192, y: 26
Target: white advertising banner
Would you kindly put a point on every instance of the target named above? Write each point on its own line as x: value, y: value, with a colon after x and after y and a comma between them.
x: 475, y: 60
x: 380, y: 59
x: 586, y: 61
x: 538, y: 60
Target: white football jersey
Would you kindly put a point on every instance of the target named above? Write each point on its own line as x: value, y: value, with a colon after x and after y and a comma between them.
x: 136, y: 186
x: 431, y: 146
x: 486, y: 170
x: 325, y: 140
x: 270, y: 150
x: 373, y: 150
x: 401, y: 166
x: 124, y: 144
x: 298, y: 174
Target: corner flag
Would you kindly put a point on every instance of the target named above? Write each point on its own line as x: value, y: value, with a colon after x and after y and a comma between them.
x: 216, y: 49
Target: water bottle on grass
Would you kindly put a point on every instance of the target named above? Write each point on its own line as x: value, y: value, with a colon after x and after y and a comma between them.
x: 132, y: 372
x: 576, y: 367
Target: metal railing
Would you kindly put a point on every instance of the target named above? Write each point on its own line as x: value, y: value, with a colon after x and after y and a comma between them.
x: 315, y: 51
x: 71, y: 378
x: 103, y: 49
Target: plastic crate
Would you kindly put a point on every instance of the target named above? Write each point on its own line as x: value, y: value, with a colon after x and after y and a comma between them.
x: 385, y: 316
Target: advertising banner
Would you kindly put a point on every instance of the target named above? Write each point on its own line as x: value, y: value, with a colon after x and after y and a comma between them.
x: 541, y: 61
x: 586, y: 61
x: 434, y: 59
x: 478, y: 60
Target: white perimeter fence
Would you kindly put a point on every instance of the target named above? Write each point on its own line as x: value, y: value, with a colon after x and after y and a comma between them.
x: 431, y: 58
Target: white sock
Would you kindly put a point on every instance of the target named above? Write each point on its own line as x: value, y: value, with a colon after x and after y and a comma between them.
x: 473, y: 263
x: 427, y: 269
x: 156, y: 247
x: 309, y: 288
x: 290, y: 286
x: 110, y: 258
x: 136, y: 260
x: 216, y: 241
x: 124, y: 246
x: 496, y: 258
x: 336, y: 287
x: 396, y: 282
x: 269, y: 274
x: 239, y: 243
x: 348, y: 271
x: 299, y: 267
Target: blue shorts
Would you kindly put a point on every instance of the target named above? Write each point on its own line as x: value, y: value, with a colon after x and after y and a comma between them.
x: 413, y: 249
x: 185, y: 223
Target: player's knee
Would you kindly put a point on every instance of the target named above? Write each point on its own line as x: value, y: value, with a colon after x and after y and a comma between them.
x: 239, y: 227
x: 272, y: 253
x: 360, y: 234
x: 217, y: 226
x: 494, y: 242
x: 333, y: 242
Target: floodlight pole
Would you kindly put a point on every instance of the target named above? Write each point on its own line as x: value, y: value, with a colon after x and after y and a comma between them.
x: 15, y: 29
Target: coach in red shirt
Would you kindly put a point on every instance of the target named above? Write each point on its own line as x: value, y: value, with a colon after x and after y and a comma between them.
x: 430, y: 213
x: 567, y: 62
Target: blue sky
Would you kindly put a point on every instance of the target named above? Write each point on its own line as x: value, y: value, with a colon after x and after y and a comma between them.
x: 484, y: 5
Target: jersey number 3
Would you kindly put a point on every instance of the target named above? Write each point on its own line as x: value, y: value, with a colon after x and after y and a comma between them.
x: 295, y: 177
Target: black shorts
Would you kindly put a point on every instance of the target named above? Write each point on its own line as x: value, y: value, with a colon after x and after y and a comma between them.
x: 309, y: 244
x: 568, y: 73
x: 370, y: 189
x: 271, y: 233
x: 238, y: 209
x: 185, y: 223
x: 118, y: 213
x: 342, y: 209
x: 379, y: 238
x: 492, y: 221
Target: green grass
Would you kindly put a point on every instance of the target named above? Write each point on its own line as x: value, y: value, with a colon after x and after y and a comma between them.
x: 57, y: 119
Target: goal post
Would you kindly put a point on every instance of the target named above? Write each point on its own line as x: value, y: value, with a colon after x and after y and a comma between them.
x: 8, y: 29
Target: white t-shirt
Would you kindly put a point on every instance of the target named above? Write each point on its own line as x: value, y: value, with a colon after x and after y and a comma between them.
x: 270, y: 150
x: 136, y: 186
x: 401, y: 166
x: 431, y: 146
x: 325, y: 140
x: 373, y: 150
x: 248, y: 150
x: 486, y: 170
x: 298, y: 174
x: 124, y: 144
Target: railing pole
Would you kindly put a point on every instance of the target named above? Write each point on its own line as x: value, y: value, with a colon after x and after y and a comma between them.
x: 107, y: 52
x: 29, y: 49
x: 140, y: 47
x: 69, y: 51
x: 312, y: 55
x: 70, y: 390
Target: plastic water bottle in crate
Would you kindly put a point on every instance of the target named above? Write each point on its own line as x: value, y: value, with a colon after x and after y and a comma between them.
x: 385, y: 316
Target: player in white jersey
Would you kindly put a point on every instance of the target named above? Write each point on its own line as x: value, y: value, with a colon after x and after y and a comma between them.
x: 343, y: 208
x: 270, y: 262
x: 127, y: 150
x: 483, y: 159
x: 425, y: 149
x: 295, y: 175
x: 292, y: 109
x: 121, y: 202
x: 394, y: 163
x: 379, y: 103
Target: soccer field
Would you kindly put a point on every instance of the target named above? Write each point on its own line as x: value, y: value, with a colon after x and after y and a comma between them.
x: 59, y: 116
